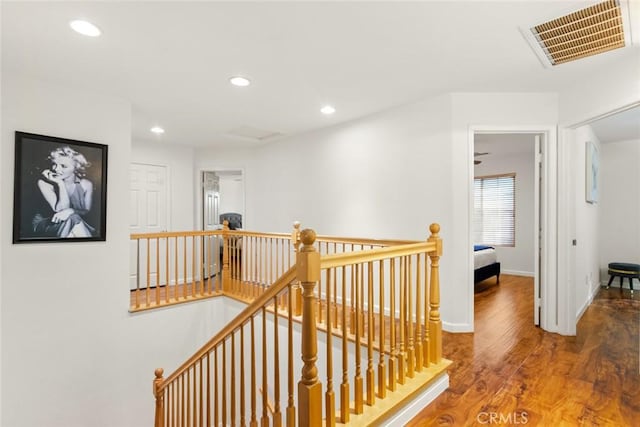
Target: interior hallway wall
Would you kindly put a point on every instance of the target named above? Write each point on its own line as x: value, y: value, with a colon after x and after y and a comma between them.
x: 69, y: 344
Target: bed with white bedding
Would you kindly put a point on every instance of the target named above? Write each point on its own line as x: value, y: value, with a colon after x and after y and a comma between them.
x: 485, y: 263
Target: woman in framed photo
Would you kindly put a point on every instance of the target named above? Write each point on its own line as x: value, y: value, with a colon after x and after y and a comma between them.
x: 68, y: 193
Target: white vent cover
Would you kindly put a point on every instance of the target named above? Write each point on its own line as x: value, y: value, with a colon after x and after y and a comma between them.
x: 586, y: 32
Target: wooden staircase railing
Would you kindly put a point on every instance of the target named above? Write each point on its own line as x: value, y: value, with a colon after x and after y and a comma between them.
x: 381, y: 304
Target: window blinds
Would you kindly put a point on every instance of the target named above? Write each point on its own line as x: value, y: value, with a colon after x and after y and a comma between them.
x: 494, y: 210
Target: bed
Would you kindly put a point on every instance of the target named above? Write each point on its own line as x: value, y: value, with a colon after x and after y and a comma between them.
x: 485, y: 263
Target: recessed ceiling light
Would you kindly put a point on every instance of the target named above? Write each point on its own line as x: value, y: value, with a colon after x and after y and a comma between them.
x: 327, y: 109
x: 240, y: 81
x: 157, y: 130
x: 85, y: 28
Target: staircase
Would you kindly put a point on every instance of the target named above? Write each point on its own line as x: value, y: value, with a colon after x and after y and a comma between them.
x: 346, y: 335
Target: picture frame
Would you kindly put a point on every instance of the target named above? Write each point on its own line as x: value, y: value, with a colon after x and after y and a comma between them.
x: 60, y: 190
x: 592, y: 169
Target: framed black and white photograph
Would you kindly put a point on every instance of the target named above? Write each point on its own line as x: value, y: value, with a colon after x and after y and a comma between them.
x: 60, y: 190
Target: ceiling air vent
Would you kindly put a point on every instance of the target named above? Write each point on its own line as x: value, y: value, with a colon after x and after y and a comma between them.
x: 587, y: 32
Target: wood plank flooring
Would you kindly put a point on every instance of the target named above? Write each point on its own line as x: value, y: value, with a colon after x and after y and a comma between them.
x: 511, y: 373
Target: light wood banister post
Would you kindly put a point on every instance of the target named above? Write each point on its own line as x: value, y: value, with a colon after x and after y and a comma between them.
x: 309, y: 388
x: 159, y: 395
x: 295, y: 241
x: 435, y: 323
x: 226, y: 272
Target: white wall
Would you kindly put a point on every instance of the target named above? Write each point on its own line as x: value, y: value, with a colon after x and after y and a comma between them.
x: 182, y: 190
x: 518, y: 259
x: 619, y: 222
x: 586, y: 222
x: 387, y: 175
x: 72, y: 355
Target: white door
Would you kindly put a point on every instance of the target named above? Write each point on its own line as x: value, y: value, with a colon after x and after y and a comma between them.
x: 210, y: 221
x: 537, y: 227
x: 148, y: 214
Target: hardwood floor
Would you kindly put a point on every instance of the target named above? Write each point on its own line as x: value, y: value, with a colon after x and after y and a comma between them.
x: 511, y: 373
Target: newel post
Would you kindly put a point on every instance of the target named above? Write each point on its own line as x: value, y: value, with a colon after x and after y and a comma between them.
x: 159, y: 395
x: 435, y: 323
x: 297, y: 289
x: 309, y: 388
x: 226, y: 272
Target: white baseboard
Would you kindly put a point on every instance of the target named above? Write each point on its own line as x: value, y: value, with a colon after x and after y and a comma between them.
x: 593, y: 290
x: 518, y: 273
x: 456, y: 327
x: 411, y: 409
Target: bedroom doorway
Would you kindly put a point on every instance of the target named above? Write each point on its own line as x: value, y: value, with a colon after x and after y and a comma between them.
x: 508, y: 208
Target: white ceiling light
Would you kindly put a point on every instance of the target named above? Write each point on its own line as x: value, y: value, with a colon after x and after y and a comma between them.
x: 327, y: 109
x: 157, y: 130
x: 85, y: 28
x: 240, y: 81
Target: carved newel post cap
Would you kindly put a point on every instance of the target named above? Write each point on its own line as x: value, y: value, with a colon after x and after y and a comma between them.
x: 159, y: 372
x: 296, y: 224
x: 434, y: 228
x: 308, y: 236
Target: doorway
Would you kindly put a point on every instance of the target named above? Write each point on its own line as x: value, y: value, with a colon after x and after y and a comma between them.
x: 541, y: 143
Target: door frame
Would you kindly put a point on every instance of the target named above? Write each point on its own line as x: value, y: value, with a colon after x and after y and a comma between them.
x: 549, y: 307
x: 199, y: 220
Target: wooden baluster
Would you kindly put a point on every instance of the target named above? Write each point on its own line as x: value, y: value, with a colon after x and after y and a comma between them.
x: 224, y: 383
x: 184, y: 264
x: 193, y: 266
x: 291, y: 409
x: 216, y: 410
x: 183, y: 413
x: 264, y: 421
x: 358, y: 380
x: 208, y: 389
x: 330, y: 398
x: 418, y: 340
x: 254, y: 420
x: 401, y: 324
x: 309, y: 388
x: 232, y: 367
x: 200, y: 395
x: 411, y: 357
x: 158, y: 393
x: 211, y: 240
x: 425, y: 334
x: 382, y: 373
x: 393, y: 355
x: 370, y: 333
x: 148, y: 289
x: 226, y: 273
x: 157, y: 271
x: 188, y: 405
x: 295, y: 238
x: 242, y: 381
x: 435, y: 324
x: 344, y: 386
x: 137, y: 294
x: 167, y: 273
x: 194, y: 289
x: 277, y: 415
x: 335, y: 293
x: 354, y: 283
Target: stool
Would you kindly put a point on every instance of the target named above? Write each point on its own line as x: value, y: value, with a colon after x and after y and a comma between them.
x: 622, y: 270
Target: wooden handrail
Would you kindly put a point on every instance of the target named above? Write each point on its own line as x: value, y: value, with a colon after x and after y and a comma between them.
x: 329, y: 239
x: 348, y: 258
x: 238, y: 321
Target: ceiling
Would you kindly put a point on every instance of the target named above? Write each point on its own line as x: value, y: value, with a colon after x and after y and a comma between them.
x: 173, y: 60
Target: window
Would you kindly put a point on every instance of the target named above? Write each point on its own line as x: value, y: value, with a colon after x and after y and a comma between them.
x: 494, y: 210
